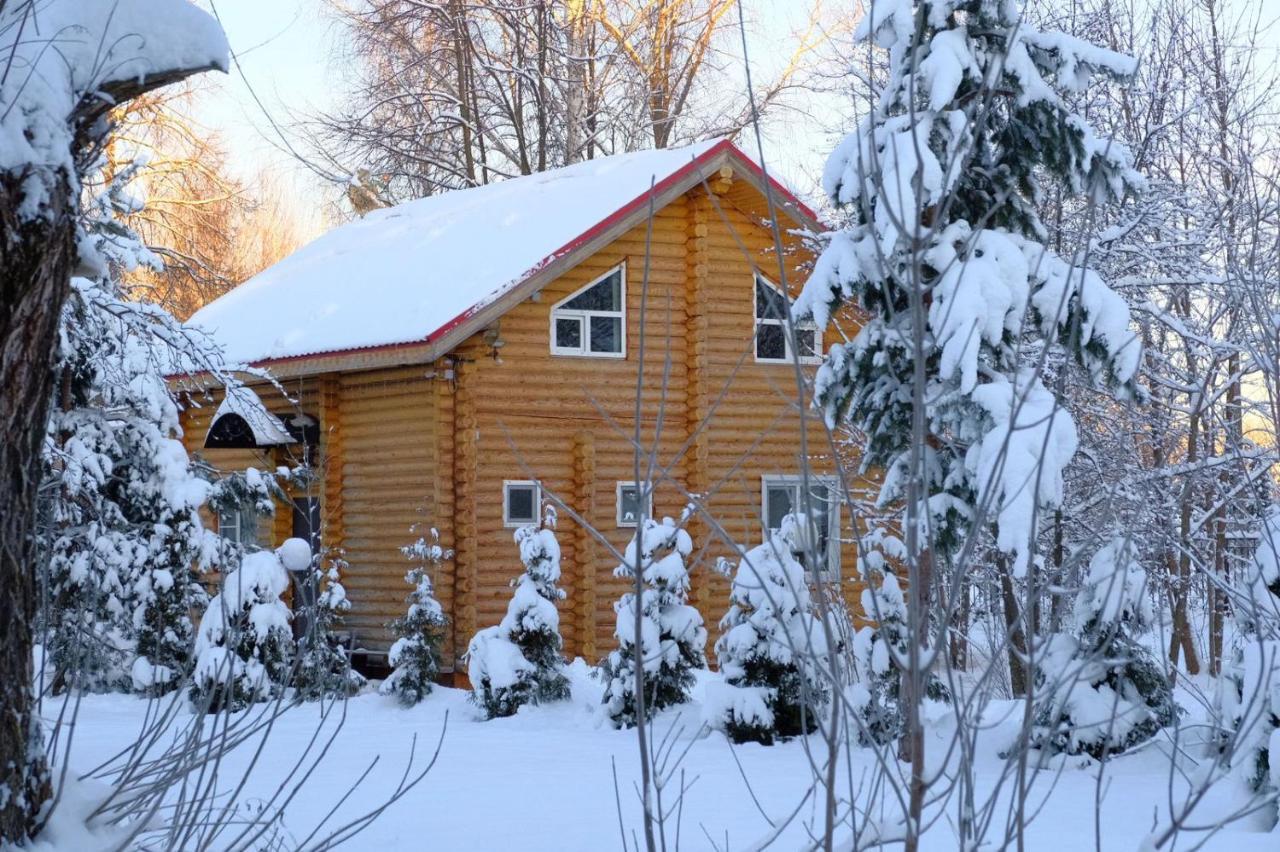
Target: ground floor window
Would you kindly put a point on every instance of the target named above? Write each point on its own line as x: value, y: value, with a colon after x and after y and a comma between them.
x: 238, y: 525
x: 520, y: 500
x: 783, y: 495
x: 630, y: 505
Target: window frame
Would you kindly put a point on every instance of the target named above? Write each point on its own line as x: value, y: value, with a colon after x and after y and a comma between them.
x: 786, y: 326
x: 507, y: 484
x: 617, y: 502
x: 584, y: 317
x: 794, y: 483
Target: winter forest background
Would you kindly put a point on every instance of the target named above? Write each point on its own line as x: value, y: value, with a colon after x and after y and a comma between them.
x: 1057, y: 225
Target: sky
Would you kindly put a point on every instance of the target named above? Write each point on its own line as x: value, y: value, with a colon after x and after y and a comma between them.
x: 285, y: 68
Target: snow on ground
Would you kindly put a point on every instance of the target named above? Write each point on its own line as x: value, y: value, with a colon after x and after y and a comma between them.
x: 543, y: 779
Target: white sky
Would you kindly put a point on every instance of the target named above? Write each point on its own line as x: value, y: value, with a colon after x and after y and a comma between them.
x: 285, y: 47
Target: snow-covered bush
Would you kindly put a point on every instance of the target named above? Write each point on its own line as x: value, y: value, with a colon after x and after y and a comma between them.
x: 518, y: 661
x: 1249, y: 695
x: 1104, y: 691
x: 772, y: 649
x: 244, y: 646
x: 415, y: 656
x: 671, y: 640
x: 323, y: 666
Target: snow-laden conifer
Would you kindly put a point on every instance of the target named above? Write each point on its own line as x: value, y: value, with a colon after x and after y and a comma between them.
x: 671, y: 641
x: 944, y: 255
x: 772, y: 649
x: 415, y: 655
x: 244, y: 647
x: 120, y: 531
x: 519, y: 661
x: 1104, y: 689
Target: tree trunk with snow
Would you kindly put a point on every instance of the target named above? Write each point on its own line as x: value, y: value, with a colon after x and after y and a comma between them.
x: 55, y: 101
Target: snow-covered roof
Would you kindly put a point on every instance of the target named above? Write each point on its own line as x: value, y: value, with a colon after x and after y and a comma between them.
x: 409, y: 273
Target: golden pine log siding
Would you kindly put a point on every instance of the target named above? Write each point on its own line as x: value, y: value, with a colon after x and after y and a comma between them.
x: 581, y: 579
x: 387, y: 486
x: 465, y: 558
x: 442, y: 515
x: 331, y: 505
x: 697, y: 284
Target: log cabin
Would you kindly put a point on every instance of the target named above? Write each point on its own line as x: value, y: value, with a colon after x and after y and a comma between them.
x: 457, y: 361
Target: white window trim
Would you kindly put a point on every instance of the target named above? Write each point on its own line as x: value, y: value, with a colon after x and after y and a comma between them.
x: 224, y: 527
x: 617, y: 502
x: 815, y: 358
x: 584, y: 351
x: 537, y: 502
x: 833, y: 513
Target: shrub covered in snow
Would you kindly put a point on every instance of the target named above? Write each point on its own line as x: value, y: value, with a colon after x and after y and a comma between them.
x: 671, y: 640
x: 1249, y: 696
x: 1103, y: 690
x: 518, y: 661
x: 415, y: 656
x: 772, y: 648
x: 323, y: 666
x: 244, y: 646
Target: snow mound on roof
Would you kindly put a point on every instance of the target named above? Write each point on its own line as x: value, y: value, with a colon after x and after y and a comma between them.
x: 400, y: 274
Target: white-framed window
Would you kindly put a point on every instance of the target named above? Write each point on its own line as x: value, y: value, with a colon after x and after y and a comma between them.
x: 592, y: 322
x: 629, y: 506
x: 782, y: 495
x: 773, y: 340
x: 239, y: 525
x: 520, y: 501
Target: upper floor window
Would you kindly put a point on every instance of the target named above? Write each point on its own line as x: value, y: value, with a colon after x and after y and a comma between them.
x: 592, y: 322
x: 773, y: 340
x: 784, y: 495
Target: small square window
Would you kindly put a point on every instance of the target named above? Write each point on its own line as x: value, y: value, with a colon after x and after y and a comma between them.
x: 520, y: 501
x: 606, y: 334
x: 629, y: 506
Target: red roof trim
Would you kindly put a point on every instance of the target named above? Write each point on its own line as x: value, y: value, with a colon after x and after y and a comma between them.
x: 725, y: 146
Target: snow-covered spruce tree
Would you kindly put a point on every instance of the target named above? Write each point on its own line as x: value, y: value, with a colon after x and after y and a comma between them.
x: 518, y: 661
x: 120, y: 528
x: 244, y: 647
x: 1104, y: 690
x: 323, y: 667
x: 671, y: 636
x: 771, y: 646
x: 944, y: 256
x: 415, y: 656
x: 1249, y: 695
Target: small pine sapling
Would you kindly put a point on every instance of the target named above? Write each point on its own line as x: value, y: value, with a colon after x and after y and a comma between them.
x: 244, y: 646
x: 671, y: 641
x: 519, y: 661
x: 415, y: 656
x: 879, y: 649
x: 1103, y: 690
x: 323, y: 667
x: 772, y: 649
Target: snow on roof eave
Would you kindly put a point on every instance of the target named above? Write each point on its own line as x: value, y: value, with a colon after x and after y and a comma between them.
x: 267, y: 429
x: 496, y: 303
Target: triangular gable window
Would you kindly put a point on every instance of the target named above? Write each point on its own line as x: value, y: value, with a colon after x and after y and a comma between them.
x: 773, y: 337
x: 592, y: 322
